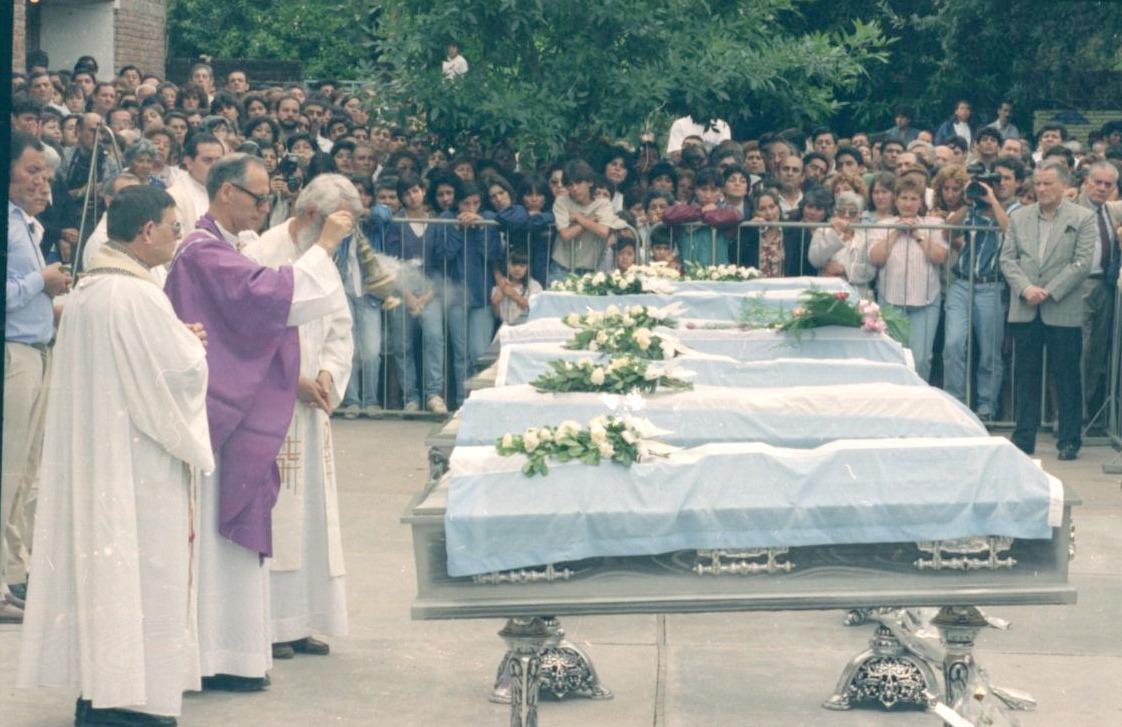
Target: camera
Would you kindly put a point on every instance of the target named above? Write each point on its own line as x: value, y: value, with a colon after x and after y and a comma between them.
x: 289, y: 166
x: 980, y: 175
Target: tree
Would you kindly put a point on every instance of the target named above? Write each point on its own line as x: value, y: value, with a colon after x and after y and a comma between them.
x: 327, y: 35
x: 546, y: 73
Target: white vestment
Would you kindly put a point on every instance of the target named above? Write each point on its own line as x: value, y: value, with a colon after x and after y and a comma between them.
x: 191, y: 201
x: 95, y: 242
x: 307, y: 580
x: 234, y: 601
x: 111, y: 607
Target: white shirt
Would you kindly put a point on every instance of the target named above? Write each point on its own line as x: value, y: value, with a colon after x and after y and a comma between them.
x: 457, y: 66
x: 686, y: 126
x: 963, y: 129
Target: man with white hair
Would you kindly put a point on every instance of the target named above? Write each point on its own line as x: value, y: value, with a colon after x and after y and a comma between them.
x: 307, y: 580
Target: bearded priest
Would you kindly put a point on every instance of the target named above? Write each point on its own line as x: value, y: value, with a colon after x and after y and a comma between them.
x: 307, y: 579
x: 111, y: 607
x: 251, y: 314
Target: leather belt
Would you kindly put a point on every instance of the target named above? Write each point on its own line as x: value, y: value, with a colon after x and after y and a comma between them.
x: 978, y: 278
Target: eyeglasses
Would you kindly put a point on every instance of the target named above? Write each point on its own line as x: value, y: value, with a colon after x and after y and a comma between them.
x: 259, y: 200
x: 175, y: 227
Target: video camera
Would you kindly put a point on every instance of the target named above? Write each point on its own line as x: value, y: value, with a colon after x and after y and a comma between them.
x: 979, y: 175
x: 289, y: 166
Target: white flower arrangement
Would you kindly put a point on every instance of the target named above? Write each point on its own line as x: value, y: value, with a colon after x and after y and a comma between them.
x: 618, y: 439
x: 720, y: 273
x: 625, y: 330
x: 653, y: 278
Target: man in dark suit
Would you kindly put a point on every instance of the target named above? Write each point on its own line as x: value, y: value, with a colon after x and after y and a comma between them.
x: 1047, y: 255
x: 1098, y: 289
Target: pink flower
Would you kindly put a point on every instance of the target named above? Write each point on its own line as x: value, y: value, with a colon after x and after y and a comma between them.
x: 799, y: 311
x: 841, y: 295
x: 691, y: 326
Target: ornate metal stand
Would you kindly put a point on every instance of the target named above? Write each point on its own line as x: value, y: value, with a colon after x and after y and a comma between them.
x: 749, y: 561
x: 524, y: 637
x: 909, y: 653
x: 959, y: 625
x: 886, y: 673
x: 565, y: 670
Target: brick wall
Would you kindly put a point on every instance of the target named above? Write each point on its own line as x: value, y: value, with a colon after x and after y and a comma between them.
x: 140, y: 30
x: 19, y: 35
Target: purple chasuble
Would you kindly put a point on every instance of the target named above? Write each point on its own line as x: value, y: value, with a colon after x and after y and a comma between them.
x: 254, y: 361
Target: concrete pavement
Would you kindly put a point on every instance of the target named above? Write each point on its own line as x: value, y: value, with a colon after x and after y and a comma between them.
x: 677, y: 670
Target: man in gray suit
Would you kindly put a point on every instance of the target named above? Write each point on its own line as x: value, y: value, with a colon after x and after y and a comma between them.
x: 1047, y: 255
x: 1098, y: 289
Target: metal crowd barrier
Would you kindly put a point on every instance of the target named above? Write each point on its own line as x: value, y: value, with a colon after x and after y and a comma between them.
x: 404, y: 342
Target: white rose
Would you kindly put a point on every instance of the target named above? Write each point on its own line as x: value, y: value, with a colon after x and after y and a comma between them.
x: 545, y: 434
x: 601, y: 337
x: 595, y: 317
x: 612, y: 311
x: 627, y: 321
x: 713, y: 275
x: 508, y: 441
x: 598, y: 278
x: 584, y: 361
x: 597, y: 434
x: 530, y: 440
x: 572, y: 320
x: 618, y: 363
x: 667, y: 348
x: 606, y: 449
x: 636, y: 310
x: 593, y: 346
x: 597, y: 376
x: 642, y: 337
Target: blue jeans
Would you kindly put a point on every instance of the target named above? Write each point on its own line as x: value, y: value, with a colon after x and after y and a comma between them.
x: 402, y: 328
x: 989, y: 335
x: 924, y: 322
x: 366, y: 365
x: 469, y: 337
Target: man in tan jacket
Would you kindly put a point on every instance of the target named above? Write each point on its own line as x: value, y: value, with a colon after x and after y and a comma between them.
x: 1047, y: 255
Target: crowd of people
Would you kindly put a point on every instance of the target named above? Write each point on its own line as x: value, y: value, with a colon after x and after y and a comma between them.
x: 351, y: 264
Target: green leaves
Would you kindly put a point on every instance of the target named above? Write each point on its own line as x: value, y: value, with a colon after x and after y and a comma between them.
x: 546, y: 73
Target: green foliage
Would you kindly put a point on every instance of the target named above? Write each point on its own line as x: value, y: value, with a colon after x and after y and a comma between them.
x: 547, y: 73
x: 327, y: 35
x: 1031, y: 52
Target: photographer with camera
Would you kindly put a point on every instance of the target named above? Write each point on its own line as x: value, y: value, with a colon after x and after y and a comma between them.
x: 975, y: 305
x: 285, y: 183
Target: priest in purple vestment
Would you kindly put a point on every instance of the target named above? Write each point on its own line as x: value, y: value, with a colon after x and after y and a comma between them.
x: 251, y: 314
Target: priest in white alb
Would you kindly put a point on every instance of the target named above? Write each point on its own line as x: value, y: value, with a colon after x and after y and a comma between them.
x: 307, y: 580
x: 111, y: 607
x: 251, y: 314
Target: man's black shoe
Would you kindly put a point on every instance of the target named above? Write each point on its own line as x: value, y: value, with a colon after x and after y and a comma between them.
x: 1068, y: 453
x: 231, y: 683
x: 85, y: 714
x: 310, y: 646
x: 283, y: 651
